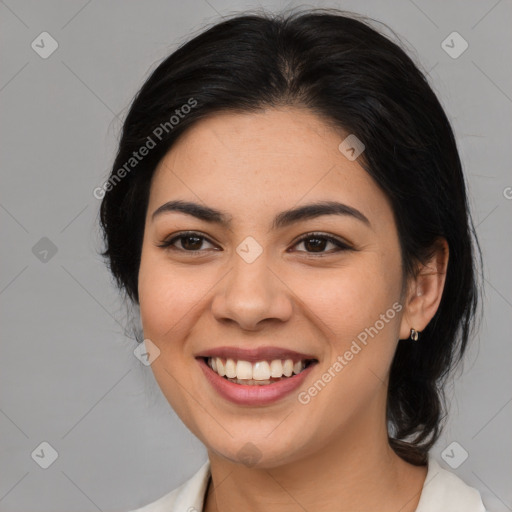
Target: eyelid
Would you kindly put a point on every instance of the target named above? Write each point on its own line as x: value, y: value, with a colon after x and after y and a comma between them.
x: 341, y: 244
x: 167, y: 243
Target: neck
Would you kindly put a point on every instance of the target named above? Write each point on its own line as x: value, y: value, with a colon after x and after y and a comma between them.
x: 355, y: 470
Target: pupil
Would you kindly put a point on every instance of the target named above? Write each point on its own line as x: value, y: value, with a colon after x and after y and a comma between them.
x: 187, y: 245
x: 318, y: 245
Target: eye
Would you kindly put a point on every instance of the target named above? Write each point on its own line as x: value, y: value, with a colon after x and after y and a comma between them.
x: 189, y: 241
x: 316, y: 243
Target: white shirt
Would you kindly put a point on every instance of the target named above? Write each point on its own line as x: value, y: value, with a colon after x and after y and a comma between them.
x: 442, y: 492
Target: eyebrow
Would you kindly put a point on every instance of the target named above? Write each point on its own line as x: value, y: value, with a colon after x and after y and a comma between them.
x: 281, y: 220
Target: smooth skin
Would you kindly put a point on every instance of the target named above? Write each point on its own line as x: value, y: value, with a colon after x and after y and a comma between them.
x: 308, y: 296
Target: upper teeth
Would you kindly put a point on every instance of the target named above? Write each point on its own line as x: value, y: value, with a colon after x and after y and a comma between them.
x: 262, y: 370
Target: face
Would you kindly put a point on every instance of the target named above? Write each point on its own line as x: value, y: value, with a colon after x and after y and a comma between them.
x: 237, y: 279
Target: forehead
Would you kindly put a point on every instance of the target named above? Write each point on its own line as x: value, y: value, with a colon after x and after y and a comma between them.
x: 250, y: 162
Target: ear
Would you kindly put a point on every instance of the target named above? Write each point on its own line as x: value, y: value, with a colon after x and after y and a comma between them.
x: 425, y: 290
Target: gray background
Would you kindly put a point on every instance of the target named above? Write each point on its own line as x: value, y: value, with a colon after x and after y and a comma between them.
x: 68, y: 375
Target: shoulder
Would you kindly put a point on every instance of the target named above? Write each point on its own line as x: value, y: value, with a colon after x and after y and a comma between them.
x: 186, y: 497
x: 444, y: 491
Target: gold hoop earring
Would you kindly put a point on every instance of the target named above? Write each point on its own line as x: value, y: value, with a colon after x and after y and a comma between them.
x: 414, y: 335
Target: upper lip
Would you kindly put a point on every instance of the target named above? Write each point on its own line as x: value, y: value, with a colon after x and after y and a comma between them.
x: 253, y: 355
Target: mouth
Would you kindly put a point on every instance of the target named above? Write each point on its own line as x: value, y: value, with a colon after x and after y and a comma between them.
x: 259, y: 373
x: 255, y: 376
x: 259, y: 383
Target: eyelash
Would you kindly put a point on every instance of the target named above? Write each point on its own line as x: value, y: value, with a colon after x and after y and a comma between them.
x: 341, y: 246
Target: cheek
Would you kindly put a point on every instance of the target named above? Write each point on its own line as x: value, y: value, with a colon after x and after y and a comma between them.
x: 348, y: 300
x: 166, y: 296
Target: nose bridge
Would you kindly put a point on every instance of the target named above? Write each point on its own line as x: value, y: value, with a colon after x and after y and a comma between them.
x: 252, y: 292
x: 250, y: 277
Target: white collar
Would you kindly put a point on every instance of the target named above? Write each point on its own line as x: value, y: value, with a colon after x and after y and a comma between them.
x: 444, y: 491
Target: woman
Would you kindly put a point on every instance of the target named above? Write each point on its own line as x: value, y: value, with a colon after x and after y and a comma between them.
x: 288, y: 209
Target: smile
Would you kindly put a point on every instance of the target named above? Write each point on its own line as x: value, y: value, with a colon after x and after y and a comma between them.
x: 254, y: 377
x: 260, y: 373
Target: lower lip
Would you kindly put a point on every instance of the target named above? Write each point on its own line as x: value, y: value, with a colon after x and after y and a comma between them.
x: 253, y: 395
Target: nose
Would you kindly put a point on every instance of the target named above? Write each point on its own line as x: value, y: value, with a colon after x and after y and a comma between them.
x: 252, y: 296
